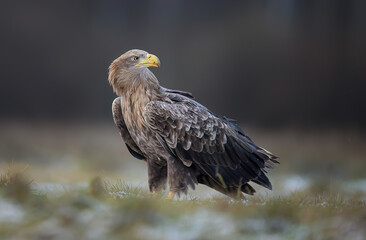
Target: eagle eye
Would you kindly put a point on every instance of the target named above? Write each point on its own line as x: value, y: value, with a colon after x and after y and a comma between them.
x: 135, y: 58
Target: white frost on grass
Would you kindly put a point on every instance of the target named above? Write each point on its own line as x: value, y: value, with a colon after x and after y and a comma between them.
x: 10, y: 212
x: 58, y: 189
x: 208, y: 224
x: 124, y: 194
x: 202, y: 223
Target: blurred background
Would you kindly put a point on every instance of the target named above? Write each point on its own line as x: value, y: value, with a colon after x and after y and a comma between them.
x: 271, y: 63
x: 291, y: 72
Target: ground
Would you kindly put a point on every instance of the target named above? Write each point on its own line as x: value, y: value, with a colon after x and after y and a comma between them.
x: 75, y: 181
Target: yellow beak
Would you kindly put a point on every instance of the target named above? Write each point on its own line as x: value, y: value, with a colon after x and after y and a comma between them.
x: 150, y: 61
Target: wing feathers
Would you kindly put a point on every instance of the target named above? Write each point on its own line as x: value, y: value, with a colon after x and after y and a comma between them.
x: 119, y: 122
x: 217, y: 146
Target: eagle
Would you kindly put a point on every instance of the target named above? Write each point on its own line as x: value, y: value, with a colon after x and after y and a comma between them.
x: 182, y: 141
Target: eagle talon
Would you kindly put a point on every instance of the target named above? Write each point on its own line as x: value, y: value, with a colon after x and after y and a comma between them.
x: 170, y: 196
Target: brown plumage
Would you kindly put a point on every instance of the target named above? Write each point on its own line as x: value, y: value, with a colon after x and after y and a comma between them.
x: 182, y: 141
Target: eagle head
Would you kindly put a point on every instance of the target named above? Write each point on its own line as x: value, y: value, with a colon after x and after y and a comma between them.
x: 131, y: 64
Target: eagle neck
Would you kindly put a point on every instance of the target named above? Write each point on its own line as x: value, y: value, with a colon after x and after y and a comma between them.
x: 143, y: 89
x: 144, y: 84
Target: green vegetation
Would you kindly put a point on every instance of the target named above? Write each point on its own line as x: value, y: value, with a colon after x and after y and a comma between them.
x: 79, y: 182
x: 115, y: 210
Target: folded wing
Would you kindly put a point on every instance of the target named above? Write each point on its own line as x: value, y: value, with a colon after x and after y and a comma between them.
x: 120, y: 123
x: 225, y: 156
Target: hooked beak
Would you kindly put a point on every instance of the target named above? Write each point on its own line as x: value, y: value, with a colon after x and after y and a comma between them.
x: 150, y: 61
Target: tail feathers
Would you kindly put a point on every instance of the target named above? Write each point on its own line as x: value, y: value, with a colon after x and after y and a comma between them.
x: 270, y: 159
x: 235, y: 192
x: 262, y: 180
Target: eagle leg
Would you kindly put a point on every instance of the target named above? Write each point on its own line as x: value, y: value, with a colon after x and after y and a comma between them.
x: 170, y: 196
x: 180, y: 177
x: 157, y: 174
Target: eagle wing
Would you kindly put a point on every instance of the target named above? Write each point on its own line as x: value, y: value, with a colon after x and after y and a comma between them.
x: 217, y: 146
x: 177, y: 92
x: 120, y: 123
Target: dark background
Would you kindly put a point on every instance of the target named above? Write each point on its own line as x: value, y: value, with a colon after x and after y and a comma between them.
x: 268, y: 63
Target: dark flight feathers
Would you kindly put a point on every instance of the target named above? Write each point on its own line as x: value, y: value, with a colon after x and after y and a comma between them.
x: 226, y: 157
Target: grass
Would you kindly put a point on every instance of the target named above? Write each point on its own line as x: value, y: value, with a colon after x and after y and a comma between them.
x: 79, y: 182
x: 115, y: 210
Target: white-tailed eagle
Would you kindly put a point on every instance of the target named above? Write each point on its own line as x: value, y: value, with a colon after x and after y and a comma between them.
x: 183, y: 142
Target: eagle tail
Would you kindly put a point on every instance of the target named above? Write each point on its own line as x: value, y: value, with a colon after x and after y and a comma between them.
x: 231, y: 191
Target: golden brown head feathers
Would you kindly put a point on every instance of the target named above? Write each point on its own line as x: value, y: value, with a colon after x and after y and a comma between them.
x: 125, y: 62
x: 127, y: 70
